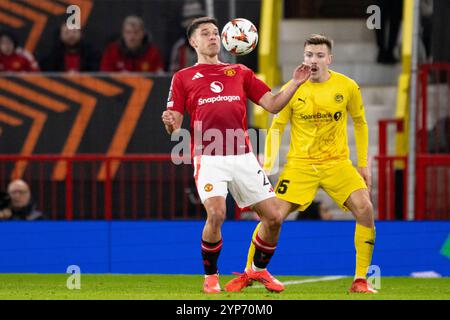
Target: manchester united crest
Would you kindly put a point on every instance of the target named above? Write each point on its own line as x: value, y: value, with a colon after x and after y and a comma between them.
x: 208, y: 187
x: 230, y: 72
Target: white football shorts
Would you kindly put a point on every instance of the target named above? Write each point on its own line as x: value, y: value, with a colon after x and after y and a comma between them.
x: 241, y: 174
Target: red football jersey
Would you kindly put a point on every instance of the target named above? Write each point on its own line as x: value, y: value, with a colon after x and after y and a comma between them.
x: 215, y: 96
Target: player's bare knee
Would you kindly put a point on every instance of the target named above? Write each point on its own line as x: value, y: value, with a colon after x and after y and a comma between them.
x: 216, y: 217
x: 364, y: 208
x: 274, y: 221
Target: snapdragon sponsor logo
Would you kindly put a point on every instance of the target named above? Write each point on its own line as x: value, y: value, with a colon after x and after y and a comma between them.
x: 214, y: 141
x: 216, y: 86
x: 218, y: 99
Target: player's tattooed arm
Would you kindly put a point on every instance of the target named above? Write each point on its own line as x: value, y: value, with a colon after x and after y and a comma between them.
x: 172, y: 120
x: 275, y: 103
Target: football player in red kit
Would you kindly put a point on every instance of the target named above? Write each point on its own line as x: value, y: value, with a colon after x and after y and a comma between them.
x: 215, y: 95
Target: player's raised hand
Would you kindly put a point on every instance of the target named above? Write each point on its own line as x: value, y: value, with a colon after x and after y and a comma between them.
x: 301, y: 73
x: 168, y: 118
x: 172, y: 120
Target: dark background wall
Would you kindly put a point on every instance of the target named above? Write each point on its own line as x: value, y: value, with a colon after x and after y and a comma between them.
x: 148, y: 134
x: 440, y: 31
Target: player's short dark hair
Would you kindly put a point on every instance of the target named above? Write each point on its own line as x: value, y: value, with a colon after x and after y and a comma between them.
x: 197, y: 22
x: 317, y: 39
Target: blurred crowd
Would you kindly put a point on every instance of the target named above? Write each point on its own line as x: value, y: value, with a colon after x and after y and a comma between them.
x: 133, y: 51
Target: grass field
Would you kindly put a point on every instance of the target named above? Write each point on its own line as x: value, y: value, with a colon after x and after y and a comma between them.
x: 188, y: 287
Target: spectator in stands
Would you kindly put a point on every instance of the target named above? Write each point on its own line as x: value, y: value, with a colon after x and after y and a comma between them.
x: 182, y: 54
x: 70, y: 53
x: 20, y: 204
x: 391, y: 18
x: 134, y: 51
x: 14, y: 58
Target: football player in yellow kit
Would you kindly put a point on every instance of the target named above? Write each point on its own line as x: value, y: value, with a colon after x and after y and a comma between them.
x: 319, y: 154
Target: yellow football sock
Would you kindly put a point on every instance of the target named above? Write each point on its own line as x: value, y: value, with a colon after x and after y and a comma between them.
x: 364, y: 244
x: 251, y: 249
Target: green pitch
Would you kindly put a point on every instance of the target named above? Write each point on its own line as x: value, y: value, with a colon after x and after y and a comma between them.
x: 188, y: 287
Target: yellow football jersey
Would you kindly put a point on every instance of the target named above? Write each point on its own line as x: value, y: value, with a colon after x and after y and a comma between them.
x: 318, y: 114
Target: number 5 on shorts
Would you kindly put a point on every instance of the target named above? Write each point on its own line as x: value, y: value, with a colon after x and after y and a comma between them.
x: 282, y: 186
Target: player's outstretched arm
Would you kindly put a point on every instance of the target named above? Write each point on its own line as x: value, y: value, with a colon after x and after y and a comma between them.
x: 274, y: 103
x: 172, y: 120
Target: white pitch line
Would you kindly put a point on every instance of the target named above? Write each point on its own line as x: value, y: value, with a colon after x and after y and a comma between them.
x: 328, y: 278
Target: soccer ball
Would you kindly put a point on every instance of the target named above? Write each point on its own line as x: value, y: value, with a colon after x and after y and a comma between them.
x: 239, y: 36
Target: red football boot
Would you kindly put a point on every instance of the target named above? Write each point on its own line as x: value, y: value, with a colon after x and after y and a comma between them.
x: 211, y: 284
x: 266, y: 279
x: 361, y: 286
x: 240, y: 282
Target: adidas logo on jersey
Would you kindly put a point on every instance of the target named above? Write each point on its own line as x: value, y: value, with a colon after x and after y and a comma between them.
x: 197, y: 76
